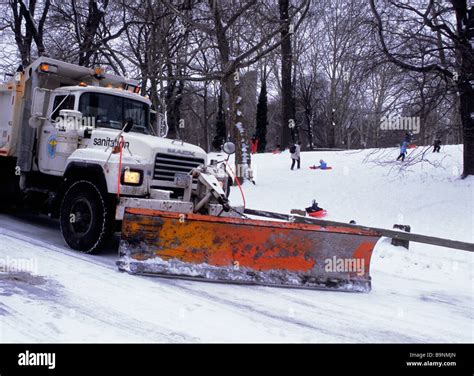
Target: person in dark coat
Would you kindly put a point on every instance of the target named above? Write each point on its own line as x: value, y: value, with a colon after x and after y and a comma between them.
x: 437, y: 146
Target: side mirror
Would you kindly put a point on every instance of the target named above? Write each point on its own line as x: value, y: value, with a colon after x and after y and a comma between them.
x: 38, y: 104
x: 229, y: 148
x: 39, y: 101
x: 128, y: 125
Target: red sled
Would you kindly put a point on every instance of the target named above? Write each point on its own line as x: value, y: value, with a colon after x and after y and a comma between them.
x: 318, y: 214
x: 319, y: 168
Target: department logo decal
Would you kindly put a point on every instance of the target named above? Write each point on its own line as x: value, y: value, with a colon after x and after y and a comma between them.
x: 52, y: 144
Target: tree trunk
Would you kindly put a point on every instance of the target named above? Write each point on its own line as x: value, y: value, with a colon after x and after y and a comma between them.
x: 466, y: 92
x: 206, y: 116
x: 311, y: 133
x: 288, y: 104
x: 235, y: 119
x: 331, y: 141
x: 309, y: 120
x: 467, y: 105
x: 23, y: 42
x: 87, y: 49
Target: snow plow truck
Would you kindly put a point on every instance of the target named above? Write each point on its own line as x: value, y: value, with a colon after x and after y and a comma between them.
x: 84, y: 146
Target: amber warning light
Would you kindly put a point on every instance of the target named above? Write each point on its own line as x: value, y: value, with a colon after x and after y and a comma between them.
x: 48, y: 68
x: 99, y: 73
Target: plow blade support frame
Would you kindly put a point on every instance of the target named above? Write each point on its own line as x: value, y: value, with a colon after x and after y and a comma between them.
x: 417, y: 238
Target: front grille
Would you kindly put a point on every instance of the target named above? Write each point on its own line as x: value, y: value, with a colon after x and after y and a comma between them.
x: 168, y: 166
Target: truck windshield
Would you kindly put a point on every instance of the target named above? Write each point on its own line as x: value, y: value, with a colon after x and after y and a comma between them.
x: 110, y: 111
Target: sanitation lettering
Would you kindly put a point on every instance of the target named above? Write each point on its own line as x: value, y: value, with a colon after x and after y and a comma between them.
x: 110, y: 142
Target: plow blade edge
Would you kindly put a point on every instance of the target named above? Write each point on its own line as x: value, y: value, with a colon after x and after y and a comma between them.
x: 245, y: 251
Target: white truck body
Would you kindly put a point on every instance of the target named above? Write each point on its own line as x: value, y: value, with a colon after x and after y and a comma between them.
x: 54, y: 147
x: 61, y: 123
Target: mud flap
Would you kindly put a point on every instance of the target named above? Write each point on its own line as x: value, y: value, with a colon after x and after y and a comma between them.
x: 245, y: 251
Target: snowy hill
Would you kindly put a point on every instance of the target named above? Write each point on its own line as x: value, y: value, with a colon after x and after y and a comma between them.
x: 425, y: 294
x: 434, y: 201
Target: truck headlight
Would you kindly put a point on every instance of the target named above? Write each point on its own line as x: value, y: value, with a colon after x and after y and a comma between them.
x: 132, y: 177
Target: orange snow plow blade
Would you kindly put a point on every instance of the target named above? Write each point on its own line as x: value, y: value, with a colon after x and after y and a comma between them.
x: 245, y: 251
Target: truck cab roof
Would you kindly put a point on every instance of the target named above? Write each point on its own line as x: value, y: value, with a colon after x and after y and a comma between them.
x: 105, y: 90
x: 72, y: 73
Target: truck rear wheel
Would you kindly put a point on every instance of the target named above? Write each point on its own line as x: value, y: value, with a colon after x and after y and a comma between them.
x: 85, y: 217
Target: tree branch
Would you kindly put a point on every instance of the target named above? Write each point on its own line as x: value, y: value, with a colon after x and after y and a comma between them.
x: 427, y: 68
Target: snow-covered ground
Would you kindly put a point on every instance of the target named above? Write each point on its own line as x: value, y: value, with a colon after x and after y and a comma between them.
x: 425, y: 294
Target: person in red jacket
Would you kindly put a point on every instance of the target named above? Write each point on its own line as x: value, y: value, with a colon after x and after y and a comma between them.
x: 254, y: 145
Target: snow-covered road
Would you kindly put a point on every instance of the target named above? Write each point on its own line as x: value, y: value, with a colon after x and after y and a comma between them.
x: 76, y: 298
x: 425, y: 294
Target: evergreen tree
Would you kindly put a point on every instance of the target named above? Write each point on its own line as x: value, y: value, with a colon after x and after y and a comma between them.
x: 220, y: 137
x: 262, y: 120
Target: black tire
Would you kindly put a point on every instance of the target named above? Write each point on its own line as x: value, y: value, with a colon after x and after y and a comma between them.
x: 10, y: 194
x: 86, y: 217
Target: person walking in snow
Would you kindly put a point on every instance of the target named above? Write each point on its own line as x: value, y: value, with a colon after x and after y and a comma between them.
x: 403, y: 151
x: 295, y: 151
x: 254, y: 144
x: 437, y: 146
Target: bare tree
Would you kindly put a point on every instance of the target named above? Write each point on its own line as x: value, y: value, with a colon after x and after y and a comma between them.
x: 441, y: 28
x: 89, y: 27
x: 229, y: 30
x: 27, y: 27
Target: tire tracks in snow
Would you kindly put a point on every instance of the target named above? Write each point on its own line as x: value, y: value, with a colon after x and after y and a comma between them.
x: 107, y: 316
x: 245, y: 309
x: 252, y: 309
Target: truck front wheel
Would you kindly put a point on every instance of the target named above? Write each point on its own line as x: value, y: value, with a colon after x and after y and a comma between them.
x: 85, y: 217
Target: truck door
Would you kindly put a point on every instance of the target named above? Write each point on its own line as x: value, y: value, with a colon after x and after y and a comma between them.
x: 57, y: 143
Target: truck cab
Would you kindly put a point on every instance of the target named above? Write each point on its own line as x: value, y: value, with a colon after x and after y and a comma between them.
x: 83, y: 141
x: 84, y: 125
